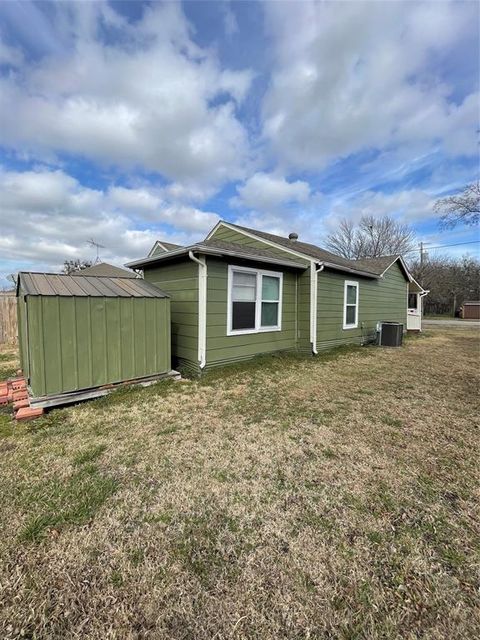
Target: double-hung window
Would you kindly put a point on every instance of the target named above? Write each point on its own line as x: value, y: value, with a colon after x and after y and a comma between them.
x: 254, y: 300
x: 350, y: 305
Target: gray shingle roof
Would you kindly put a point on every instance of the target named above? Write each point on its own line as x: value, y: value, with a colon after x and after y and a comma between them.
x: 305, y: 247
x: 376, y: 265
x: 106, y: 270
x: 53, y: 284
x: 218, y: 247
x: 170, y: 246
x: 254, y: 252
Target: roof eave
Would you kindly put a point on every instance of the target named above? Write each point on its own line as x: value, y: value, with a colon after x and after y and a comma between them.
x: 214, y: 252
x: 359, y: 272
x: 404, y: 267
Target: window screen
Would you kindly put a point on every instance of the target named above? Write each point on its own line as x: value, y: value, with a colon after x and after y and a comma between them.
x: 270, y: 301
x: 412, y: 300
x: 350, y: 318
x: 244, y: 295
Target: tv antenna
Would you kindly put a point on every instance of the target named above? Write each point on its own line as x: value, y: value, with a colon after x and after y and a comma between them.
x: 97, y: 246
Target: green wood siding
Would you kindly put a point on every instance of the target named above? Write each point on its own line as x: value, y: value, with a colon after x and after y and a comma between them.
x: 302, y: 285
x: 230, y: 235
x: 222, y: 349
x: 78, y: 343
x: 179, y: 279
x: 379, y: 300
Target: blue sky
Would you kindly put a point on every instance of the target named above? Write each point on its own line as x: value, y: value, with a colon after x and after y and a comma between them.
x: 130, y: 122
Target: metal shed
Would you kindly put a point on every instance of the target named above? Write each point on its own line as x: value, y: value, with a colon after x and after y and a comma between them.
x: 471, y: 310
x: 80, y: 332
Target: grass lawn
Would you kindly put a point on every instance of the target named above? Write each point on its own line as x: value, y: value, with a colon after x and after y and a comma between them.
x: 291, y: 498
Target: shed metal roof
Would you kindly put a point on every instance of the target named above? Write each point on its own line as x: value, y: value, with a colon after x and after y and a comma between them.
x: 53, y: 284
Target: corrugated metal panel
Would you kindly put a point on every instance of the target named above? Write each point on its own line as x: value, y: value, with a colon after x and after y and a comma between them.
x: 52, y: 284
x: 82, y: 342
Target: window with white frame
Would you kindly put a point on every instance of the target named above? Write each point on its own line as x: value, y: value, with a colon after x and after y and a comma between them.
x: 350, y: 305
x: 254, y: 300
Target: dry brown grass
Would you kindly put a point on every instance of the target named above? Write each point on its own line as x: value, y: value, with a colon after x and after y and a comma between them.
x: 329, y: 498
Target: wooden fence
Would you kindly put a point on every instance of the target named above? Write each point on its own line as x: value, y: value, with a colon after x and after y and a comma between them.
x: 8, y: 318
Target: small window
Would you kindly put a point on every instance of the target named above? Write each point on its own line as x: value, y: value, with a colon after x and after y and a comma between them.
x: 412, y: 301
x: 350, y: 307
x: 254, y: 300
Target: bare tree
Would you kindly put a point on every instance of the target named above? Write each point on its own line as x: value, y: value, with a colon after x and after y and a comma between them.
x: 460, y: 207
x: 69, y: 266
x: 370, y: 238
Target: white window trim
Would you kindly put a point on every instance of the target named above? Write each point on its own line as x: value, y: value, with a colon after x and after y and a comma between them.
x: 258, y: 301
x: 350, y: 283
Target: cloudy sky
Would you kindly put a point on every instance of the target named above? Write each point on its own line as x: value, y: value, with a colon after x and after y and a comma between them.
x: 130, y: 122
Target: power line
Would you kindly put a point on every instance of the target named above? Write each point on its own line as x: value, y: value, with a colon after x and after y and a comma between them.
x: 442, y: 246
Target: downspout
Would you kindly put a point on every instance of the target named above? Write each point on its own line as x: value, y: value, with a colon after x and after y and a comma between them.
x: 202, y: 308
x: 315, y: 304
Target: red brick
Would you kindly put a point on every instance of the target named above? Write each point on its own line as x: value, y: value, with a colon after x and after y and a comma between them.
x: 21, y: 394
x: 19, y: 384
x: 21, y: 404
x: 28, y: 413
x: 3, y: 400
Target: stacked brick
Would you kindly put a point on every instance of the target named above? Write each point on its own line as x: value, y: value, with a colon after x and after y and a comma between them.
x: 14, y: 390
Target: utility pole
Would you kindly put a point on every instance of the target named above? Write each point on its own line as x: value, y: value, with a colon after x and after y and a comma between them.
x: 421, y: 254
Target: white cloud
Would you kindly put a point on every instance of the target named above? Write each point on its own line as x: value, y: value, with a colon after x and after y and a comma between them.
x: 229, y: 19
x: 155, y: 101
x: 408, y: 205
x: 10, y: 55
x: 48, y: 216
x: 354, y: 76
x: 267, y: 193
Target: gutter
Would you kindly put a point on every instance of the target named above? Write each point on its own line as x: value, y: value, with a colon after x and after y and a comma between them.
x: 321, y: 267
x: 202, y: 308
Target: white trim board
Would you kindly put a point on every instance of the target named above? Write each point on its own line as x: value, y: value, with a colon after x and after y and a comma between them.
x: 202, y: 311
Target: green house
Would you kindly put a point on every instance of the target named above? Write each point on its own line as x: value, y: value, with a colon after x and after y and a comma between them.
x: 242, y: 292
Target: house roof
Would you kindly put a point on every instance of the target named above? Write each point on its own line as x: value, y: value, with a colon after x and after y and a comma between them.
x: 164, y: 246
x: 306, y: 248
x: 53, y: 284
x: 169, y: 245
x: 106, y: 270
x: 377, y: 265
x: 298, y: 249
x: 219, y: 248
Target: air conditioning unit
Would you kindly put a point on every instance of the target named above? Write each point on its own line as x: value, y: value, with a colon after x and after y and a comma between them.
x: 391, y: 334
